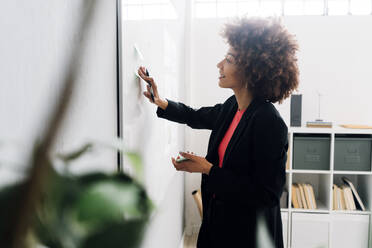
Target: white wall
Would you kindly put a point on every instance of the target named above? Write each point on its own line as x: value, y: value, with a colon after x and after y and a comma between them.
x: 37, y: 40
x: 335, y: 58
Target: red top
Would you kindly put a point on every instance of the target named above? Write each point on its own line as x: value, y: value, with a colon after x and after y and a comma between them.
x: 226, y: 139
x: 229, y: 133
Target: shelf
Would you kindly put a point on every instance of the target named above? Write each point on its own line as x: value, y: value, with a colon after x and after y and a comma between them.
x: 334, y: 129
x: 322, y: 208
x: 322, y: 182
x: 312, y: 171
x: 330, y: 172
x: 350, y: 212
x: 353, y: 172
x: 301, y: 210
x: 309, y: 130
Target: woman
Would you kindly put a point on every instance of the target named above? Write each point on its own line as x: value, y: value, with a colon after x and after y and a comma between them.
x: 243, y: 173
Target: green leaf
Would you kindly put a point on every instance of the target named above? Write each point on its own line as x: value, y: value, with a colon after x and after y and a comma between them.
x: 106, y: 202
x: 88, y: 179
x: 55, y: 221
x: 120, y: 178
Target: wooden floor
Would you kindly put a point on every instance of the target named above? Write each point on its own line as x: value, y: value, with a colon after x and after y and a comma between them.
x: 190, y: 241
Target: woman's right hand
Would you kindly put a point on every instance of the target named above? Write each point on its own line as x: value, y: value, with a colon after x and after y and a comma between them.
x: 157, y: 100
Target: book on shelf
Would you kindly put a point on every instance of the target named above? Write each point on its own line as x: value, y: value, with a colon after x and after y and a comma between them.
x: 334, y: 200
x: 307, y: 196
x: 349, y: 201
x: 337, y: 204
x: 298, y: 193
x: 294, y: 196
x: 355, y: 194
x: 312, y: 195
x: 303, y: 196
x: 344, y: 197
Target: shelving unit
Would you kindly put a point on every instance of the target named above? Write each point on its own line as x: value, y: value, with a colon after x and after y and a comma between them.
x: 325, y: 227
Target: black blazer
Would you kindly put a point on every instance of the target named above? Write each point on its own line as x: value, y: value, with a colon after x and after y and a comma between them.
x: 252, y: 178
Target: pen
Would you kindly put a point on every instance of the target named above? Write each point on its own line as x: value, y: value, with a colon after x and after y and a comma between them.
x: 152, y: 92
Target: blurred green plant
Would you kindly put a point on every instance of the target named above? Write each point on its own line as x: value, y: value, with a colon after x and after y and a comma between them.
x: 90, y: 210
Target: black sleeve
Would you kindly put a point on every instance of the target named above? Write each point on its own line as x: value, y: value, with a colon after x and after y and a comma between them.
x: 202, y: 118
x: 263, y: 185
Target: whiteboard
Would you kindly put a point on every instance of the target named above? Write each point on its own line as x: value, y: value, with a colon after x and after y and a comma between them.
x: 158, y: 45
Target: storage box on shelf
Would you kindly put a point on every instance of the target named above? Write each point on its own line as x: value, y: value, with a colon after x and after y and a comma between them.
x: 311, y: 151
x: 352, y: 152
x: 322, y: 157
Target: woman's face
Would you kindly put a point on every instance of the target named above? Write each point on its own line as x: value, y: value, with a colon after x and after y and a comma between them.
x: 229, y: 76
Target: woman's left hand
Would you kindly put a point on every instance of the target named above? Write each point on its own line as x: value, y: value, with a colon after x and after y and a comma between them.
x: 195, y: 164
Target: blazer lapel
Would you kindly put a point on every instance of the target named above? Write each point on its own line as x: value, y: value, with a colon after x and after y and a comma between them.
x: 256, y: 102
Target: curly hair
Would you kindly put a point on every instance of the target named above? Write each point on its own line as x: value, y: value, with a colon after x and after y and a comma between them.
x: 266, y: 54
